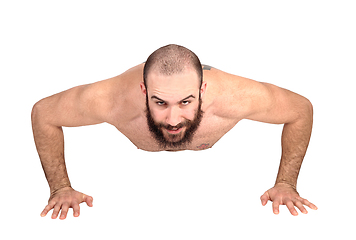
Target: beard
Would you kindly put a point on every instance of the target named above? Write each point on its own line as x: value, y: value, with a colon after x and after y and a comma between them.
x: 174, y: 140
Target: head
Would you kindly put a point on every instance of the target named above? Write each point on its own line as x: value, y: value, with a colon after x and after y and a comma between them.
x: 173, y: 85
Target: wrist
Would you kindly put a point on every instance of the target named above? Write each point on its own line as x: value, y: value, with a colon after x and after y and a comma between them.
x: 285, y: 183
x: 60, y: 188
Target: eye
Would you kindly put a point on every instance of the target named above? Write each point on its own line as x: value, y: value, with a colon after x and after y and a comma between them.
x: 161, y: 103
x: 185, y: 103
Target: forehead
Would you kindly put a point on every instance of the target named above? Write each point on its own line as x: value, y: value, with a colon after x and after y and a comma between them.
x: 186, y: 82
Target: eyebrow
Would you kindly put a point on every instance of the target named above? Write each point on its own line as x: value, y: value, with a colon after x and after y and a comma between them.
x: 159, y: 99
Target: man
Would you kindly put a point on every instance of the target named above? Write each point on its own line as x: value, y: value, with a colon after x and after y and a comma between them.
x: 167, y: 104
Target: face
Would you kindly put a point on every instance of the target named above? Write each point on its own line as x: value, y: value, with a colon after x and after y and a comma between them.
x: 173, y: 107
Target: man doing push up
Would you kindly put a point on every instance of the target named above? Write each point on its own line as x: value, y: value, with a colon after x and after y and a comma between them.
x: 171, y: 103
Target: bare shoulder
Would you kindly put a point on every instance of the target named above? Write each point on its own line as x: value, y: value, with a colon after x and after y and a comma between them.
x: 235, y: 97
x: 113, y: 97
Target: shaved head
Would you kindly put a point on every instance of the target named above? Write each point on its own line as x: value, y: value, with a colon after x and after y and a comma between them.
x: 172, y: 59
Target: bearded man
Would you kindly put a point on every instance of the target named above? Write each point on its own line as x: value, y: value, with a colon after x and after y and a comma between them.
x: 168, y: 104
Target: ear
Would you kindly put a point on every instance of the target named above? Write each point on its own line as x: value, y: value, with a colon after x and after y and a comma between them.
x: 203, y: 88
x: 143, y: 88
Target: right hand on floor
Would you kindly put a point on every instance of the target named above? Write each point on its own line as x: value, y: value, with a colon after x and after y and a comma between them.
x: 66, y: 198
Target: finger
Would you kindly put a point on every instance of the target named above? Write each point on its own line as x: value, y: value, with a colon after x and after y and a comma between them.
x: 76, y: 210
x: 307, y: 203
x: 264, y: 198
x: 275, y: 206
x: 56, y: 211
x: 291, y: 208
x: 300, y: 206
x: 88, y: 200
x: 47, y: 209
x: 64, y: 212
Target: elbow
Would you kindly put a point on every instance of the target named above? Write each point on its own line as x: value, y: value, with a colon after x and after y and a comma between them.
x: 306, y: 110
x: 37, y: 110
x: 40, y: 115
x: 303, y: 111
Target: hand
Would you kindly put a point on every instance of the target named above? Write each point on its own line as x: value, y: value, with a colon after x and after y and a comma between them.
x: 285, y: 194
x: 66, y: 198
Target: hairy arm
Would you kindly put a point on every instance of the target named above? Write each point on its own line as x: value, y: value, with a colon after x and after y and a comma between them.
x: 280, y: 106
x: 71, y: 108
x: 82, y: 105
x: 267, y: 103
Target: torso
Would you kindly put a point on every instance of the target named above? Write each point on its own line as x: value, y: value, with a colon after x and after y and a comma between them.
x: 134, y: 124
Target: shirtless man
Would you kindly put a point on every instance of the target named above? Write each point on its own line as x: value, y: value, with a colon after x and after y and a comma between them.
x: 167, y: 104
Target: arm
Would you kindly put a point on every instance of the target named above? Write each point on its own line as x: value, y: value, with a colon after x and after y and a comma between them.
x: 295, y: 140
x: 75, y: 107
x: 249, y: 99
x: 278, y: 105
x: 282, y: 106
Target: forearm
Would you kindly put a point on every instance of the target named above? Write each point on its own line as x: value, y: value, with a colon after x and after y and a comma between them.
x: 295, y: 140
x: 49, y: 141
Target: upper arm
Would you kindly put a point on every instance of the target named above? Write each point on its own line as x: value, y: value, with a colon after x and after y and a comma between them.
x: 78, y: 106
x: 277, y: 105
x: 264, y: 102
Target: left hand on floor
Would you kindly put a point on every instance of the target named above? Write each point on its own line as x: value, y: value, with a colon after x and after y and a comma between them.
x: 285, y: 194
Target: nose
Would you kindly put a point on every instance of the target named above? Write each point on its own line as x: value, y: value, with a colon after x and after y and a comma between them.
x: 174, y: 116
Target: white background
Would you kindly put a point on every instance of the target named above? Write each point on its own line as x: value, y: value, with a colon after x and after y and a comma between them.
x: 305, y: 46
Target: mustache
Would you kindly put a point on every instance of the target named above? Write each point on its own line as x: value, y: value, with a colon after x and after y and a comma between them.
x: 186, y: 123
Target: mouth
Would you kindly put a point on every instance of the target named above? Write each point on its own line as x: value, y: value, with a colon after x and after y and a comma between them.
x: 174, y: 130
